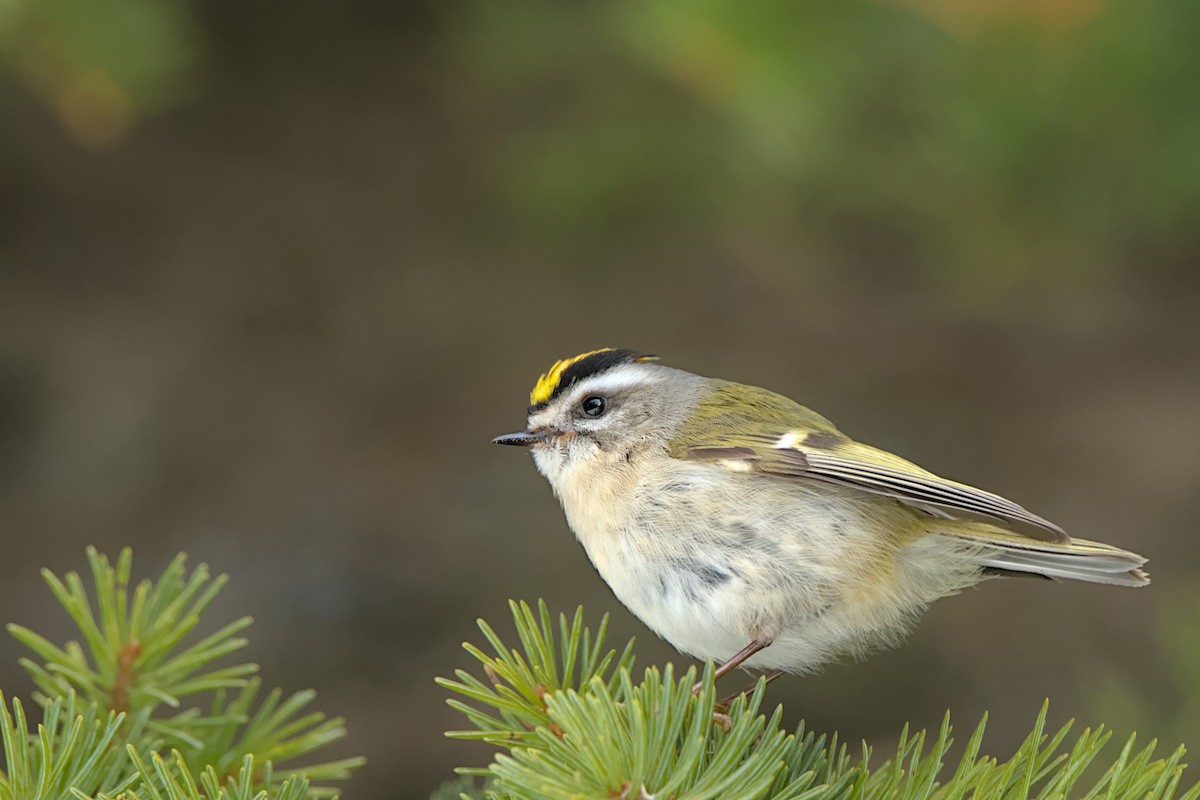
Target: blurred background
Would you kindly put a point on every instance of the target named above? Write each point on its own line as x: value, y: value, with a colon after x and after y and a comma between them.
x: 272, y: 275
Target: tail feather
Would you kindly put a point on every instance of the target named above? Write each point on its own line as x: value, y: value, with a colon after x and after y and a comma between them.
x: 1077, y: 559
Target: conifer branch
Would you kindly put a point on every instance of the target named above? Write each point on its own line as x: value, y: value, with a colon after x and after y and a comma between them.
x: 165, y: 779
x: 133, y: 663
x: 609, y: 736
x: 275, y: 732
x: 132, y: 658
x: 519, y: 681
x: 72, y: 748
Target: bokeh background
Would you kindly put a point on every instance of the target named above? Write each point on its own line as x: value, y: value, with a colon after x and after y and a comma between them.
x: 272, y: 274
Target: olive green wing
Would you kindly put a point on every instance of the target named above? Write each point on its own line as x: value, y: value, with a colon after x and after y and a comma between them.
x: 728, y: 436
x: 830, y: 458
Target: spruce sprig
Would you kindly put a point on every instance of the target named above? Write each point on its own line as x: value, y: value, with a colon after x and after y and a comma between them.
x: 135, y: 663
x: 277, y: 731
x: 164, y: 779
x: 74, y: 747
x: 650, y: 739
x: 133, y: 659
x: 551, y: 659
x: 610, y: 736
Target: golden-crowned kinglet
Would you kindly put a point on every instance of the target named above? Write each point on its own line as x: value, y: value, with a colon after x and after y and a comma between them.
x: 745, y: 528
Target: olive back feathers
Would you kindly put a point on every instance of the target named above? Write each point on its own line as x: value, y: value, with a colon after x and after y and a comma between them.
x: 751, y: 429
x: 748, y: 429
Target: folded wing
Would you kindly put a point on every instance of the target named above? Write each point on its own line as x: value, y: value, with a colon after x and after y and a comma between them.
x: 829, y: 457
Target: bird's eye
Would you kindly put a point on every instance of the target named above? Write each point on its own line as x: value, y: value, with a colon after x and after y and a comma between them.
x: 593, y: 406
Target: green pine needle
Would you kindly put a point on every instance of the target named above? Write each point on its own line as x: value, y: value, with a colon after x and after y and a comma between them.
x: 73, y: 748
x: 552, y: 658
x: 132, y: 657
x: 133, y: 665
x: 605, y: 735
x: 276, y: 732
x: 171, y: 779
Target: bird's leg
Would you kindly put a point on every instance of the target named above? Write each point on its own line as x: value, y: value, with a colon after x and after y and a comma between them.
x: 738, y: 659
x: 767, y: 676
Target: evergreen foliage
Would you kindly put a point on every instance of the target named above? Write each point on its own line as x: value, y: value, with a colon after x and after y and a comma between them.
x: 122, y: 718
x: 571, y: 721
x: 136, y: 711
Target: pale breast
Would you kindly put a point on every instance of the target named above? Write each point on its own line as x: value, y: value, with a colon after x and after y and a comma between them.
x: 707, y: 559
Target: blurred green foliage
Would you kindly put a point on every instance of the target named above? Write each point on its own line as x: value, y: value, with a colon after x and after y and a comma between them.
x: 1170, y: 698
x: 1067, y: 145
x: 100, y: 66
x: 1059, y: 132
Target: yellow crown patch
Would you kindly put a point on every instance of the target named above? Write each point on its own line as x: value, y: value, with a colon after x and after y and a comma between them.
x: 562, y: 375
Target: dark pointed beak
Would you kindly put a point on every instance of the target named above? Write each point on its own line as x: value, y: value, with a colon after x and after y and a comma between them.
x: 522, y: 439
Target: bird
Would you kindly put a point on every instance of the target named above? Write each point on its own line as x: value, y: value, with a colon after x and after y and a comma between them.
x: 747, y: 530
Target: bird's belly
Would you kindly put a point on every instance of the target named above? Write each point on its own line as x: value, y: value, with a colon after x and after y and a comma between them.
x: 705, y: 610
x: 692, y: 602
x: 711, y: 574
x: 711, y: 565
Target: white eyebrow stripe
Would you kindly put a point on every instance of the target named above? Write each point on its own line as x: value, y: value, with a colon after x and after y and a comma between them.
x: 611, y: 381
